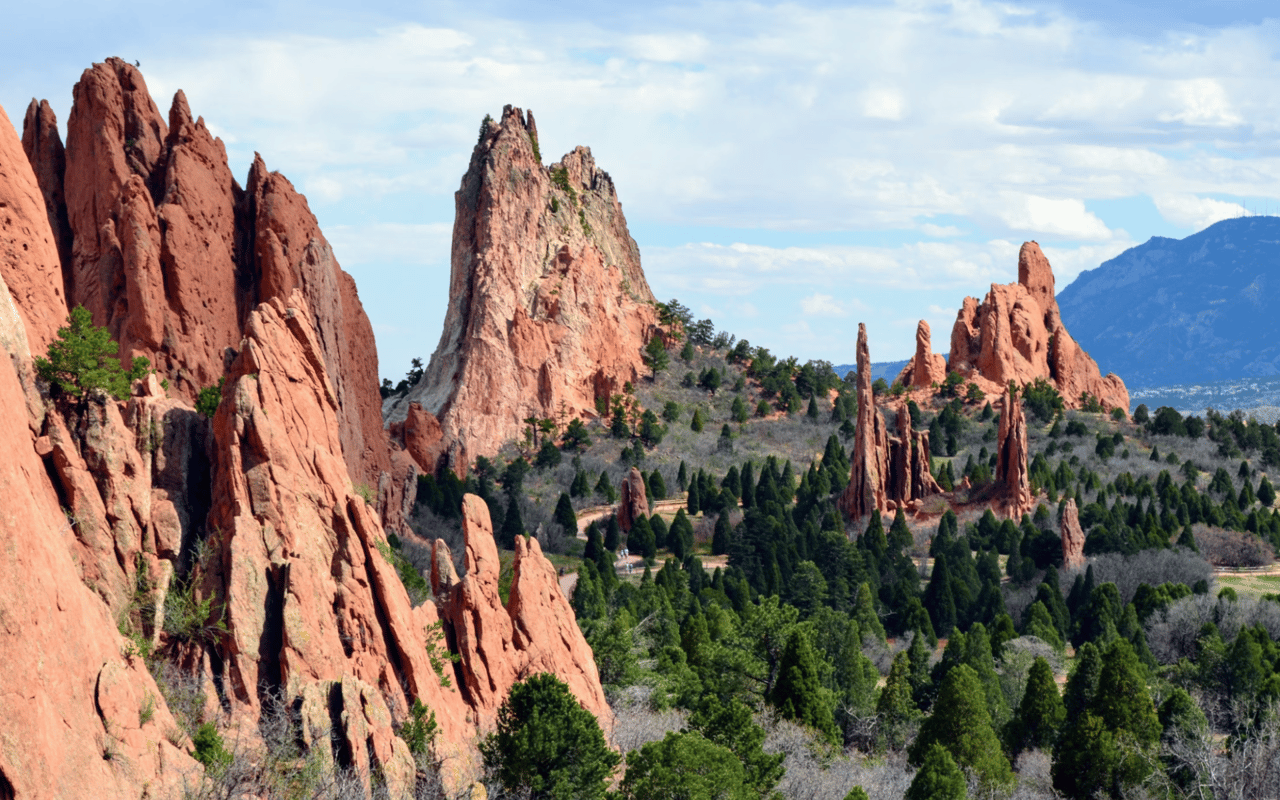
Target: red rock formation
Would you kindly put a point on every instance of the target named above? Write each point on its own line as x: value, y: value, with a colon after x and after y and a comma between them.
x: 171, y: 254
x: 632, y: 502
x: 926, y: 368
x: 887, y: 472
x: 71, y: 713
x: 312, y: 604
x: 910, y: 479
x: 29, y: 262
x: 536, y: 632
x: 865, y: 492
x: 548, y: 306
x: 1012, y: 473
x: 1016, y: 335
x: 1072, y: 537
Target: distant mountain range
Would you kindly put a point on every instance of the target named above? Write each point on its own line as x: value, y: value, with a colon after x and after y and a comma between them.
x: 879, y: 369
x: 1184, y: 311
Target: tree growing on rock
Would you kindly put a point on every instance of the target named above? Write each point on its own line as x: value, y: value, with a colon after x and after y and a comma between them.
x: 82, y: 361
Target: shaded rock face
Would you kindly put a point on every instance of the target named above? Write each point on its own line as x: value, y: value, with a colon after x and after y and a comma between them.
x: 632, y: 502
x: 1072, y: 537
x: 165, y: 248
x: 1012, y: 472
x: 548, y: 306
x: 925, y: 368
x: 1016, y: 334
x: 313, y: 604
x: 71, y: 712
x: 887, y: 472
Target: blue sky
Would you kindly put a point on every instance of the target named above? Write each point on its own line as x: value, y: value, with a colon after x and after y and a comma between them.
x: 789, y: 170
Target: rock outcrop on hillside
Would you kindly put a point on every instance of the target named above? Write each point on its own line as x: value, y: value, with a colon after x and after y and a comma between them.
x: 1012, y: 476
x: 1016, y: 335
x: 111, y: 505
x: 171, y: 254
x: 926, y: 368
x: 548, y: 306
x: 632, y: 500
x: 1072, y: 537
x: 888, y: 472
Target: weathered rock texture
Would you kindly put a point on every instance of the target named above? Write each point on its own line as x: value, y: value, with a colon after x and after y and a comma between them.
x: 261, y: 509
x: 1012, y: 473
x: 548, y: 306
x: 632, y: 502
x: 534, y: 633
x: 171, y: 254
x: 71, y: 718
x: 313, y: 605
x: 1016, y: 334
x: 29, y: 261
x: 888, y: 472
x: 1072, y: 537
x: 925, y: 368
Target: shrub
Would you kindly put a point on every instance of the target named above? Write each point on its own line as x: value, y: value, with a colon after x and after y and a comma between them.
x: 209, y: 398
x: 82, y: 360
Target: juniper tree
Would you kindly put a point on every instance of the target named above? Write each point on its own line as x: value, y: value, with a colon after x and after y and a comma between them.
x: 1040, y: 714
x: 938, y: 778
x: 82, y: 361
x: 961, y: 723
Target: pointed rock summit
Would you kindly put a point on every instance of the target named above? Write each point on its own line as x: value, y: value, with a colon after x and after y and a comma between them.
x: 548, y: 306
x: 1016, y: 334
x: 1012, y: 472
x: 926, y: 368
x: 888, y: 472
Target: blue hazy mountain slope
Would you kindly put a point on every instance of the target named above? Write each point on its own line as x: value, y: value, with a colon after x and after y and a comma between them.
x: 1176, y: 311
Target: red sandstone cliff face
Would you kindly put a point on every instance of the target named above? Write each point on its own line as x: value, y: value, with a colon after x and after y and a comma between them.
x: 1072, y: 537
x: 548, y: 305
x: 632, y: 502
x: 1015, y: 334
x: 71, y: 714
x: 293, y: 553
x: 888, y: 472
x: 171, y: 254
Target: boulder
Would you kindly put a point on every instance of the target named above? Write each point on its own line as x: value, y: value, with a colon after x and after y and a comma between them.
x: 548, y: 307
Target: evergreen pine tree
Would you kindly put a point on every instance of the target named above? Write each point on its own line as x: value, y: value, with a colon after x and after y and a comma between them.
x: 812, y: 412
x: 661, y: 539
x: 605, y: 489
x: 747, y: 479
x: 798, y: 693
x: 512, y: 524
x: 1040, y: 714
x: 682, y: 478
x: 896, y: 707
x: 961, y: 723
x: 696, y: 424
x: 612, y: 534
x: 938, y: 599
x: 640, y: 539
x: 565, y: 516
x: 693, y: 501
x: 1082, y: 686
x: 720, y: 539
x: 865, y: 614
x: 1188, y: 539
x: 657, y: 486
x: 738, y: 412
x: 939, y: 778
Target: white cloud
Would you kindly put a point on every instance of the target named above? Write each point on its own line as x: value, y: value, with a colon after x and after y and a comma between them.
x: 1190, y: 211
x: 884, y: 104
x: 1201, y: 101
x: 821, y: 305
x: 1065, y: 218
x: 940, y: 231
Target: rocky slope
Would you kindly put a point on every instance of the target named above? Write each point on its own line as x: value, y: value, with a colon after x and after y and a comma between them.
x: 548, y: 306
x: 111, y: 506
x: 1016, y: 334
x: 1193, y: 310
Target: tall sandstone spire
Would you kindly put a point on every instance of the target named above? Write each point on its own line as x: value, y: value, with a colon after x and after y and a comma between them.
x: 548, y: 306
